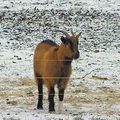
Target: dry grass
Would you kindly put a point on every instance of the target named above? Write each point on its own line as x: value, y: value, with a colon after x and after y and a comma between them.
x: 99, y: 78
x: 27, y: 82
x: 81, y: 88
x: 24, y: 92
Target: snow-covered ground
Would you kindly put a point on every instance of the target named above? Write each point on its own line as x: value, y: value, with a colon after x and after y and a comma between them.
x: 94, y: 88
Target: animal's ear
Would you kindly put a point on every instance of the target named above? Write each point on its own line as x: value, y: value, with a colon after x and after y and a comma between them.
x: 63, y: 39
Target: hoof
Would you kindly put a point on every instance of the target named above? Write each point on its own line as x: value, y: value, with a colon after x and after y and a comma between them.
x: 52, y: 111
x: 40, y: 107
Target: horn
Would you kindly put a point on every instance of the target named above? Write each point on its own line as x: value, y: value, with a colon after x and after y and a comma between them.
x: 72, y: 31
x: 78, y: 35
x: 64, y: 32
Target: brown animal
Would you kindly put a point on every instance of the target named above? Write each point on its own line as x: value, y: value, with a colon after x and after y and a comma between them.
x: 52, y: 65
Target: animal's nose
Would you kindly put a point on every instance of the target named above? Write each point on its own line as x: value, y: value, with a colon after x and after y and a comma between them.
x: 77, y: 54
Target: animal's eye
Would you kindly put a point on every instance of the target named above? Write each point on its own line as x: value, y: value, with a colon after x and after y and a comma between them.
x: 70, y: 45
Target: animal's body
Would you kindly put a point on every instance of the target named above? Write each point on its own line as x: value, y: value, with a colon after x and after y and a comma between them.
x: 52, y: 65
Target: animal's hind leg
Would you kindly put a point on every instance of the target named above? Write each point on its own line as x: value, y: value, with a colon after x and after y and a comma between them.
x: 40, y: 93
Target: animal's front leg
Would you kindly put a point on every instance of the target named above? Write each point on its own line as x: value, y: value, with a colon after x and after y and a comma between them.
x: 61, y: 89
x: 61, y: 97
x: 51, y: 99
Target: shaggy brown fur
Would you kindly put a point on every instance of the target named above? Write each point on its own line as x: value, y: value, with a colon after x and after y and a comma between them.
x: 52, y: 65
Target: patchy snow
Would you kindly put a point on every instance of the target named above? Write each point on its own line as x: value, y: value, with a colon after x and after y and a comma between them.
x: 106, y: 5
x: 94, y: 87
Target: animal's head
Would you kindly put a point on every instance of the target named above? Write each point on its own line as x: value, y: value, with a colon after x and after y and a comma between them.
x: 70, y: 44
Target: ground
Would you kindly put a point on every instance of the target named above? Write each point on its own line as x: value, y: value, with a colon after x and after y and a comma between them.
x: 94, y: 88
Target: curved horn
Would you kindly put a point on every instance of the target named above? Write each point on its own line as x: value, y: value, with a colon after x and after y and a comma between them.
x: 72, y: 32
x: 64, y: 32
x: 78, y: 35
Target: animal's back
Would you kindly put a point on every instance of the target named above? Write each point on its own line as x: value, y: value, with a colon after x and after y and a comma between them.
x: 39, y: 54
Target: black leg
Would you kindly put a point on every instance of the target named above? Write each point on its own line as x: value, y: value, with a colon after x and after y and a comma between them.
x: 60, y: 90
x: 40, y: 94
x: 61, y: 94
x: 61, y: 97
x: 51, y: 99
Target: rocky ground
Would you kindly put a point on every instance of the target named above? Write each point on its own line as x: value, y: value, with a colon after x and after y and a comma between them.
x: 94, y: 88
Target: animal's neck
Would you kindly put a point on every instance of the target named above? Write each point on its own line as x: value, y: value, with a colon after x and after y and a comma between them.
x: 67, y: 60
x: 62, y: 55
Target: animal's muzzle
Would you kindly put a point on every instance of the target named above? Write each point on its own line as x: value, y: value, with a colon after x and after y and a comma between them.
x: 77, y: 54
